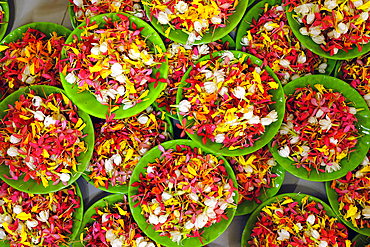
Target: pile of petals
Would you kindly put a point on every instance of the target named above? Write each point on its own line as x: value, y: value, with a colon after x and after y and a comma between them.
x: 89, y: 8
x: 229, y: 100
x: 180, y: 58
x: 41, y: 138
x: 271, y: 39
x: 113, y: 63
x: 194, y: 17
x: 356, y: 73
x: 334, y: 25
x: 120, y: 144
x: 318, y: 129
x: 354, y: 195
x: 183, y: 192
x: 253, y: 174
x: 34, y: 60
x: 114, y: 226
x: 286, y: 223
x: 32, y: 220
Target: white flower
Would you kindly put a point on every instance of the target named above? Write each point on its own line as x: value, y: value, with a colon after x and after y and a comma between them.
x: 103, y: 47
x: 184, y: 106
x: 49, y: 121
x: 153, y: 219
x: 143, y: 151
x: 157, y: 210
x: 310, y: 18
x: 318, y: 39
x: 176, y: 236
x: 302, y: 58
x: 319, y: 113
x: 116, y: 69
x: 284, y: 63
x: 323, y: 243
x: 254, y: 120
x: 143, y: 119
x: 178, y: 173
x: 192, y: 38
x: 219, y: 138
x: 306, y: 150
x: 163, y: 18
x: 2, y: 234
x: 352, y: 110
x: 150, y: 169
x: 43, y: 216
x: 210, y: 87
x: 303, y: 31
x: 14, y: 139
x: 357, y: 3
x: 315, y: 31
x: 198, y: 26
x: 343, y: 28
x: 315, y: 234
x: 271, y: 162
x: 269, y: 26
x: 326, y: 124
x: 133, y: 54
x: 95, y: 50
x: 108, y: 165
x: 219, y: 75
x: 200, y: 221
x: 193, y: 196
x: 166, y: 196
x: 121, y: 78
x: 181, y: 6
x: 189, y: 225
x: 162, y: 219
x: 110, y: 235
x: 65, y: 177
x: 216, y: 19
x: 211, y: 213
x: 286, y: 127
x: 270, y: 118
x: 208, y: 74
x: 283, y: 235
x: 223, y: 91
x: 294, y: 139
x: 71, y: 78
x: 335, y: 50
x: 303, y: 9
x: 284, y: 151
x: 248, y: 169
x: 117, y: 159
x: 299, y: 225
x: 365, y: 162
x: 248, y: 114
x: 330, y: 4
x: 245, y: 41
x: 95, y: 2
x: 6, y: 218
x: 332, y: 167
x: 311, y: 219
x: 78, y: 3
x: 36, y: 101
x: 366, y: 212
x: 104, y: 218
x: 211, y: 202
x: 38, y: 115
x: 117, y: 243
x: 203, y: 50
x: 364, y: 16
x: 322, y: 68
x: 333, y: 140
x: 239, y: 92
x: 12, y: 151
x: 31, y: 223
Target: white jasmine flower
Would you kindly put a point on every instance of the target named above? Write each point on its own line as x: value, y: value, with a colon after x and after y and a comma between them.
x: 116, y: 69
x: 211, y: 213
x: 157, y: 210
x: 95, y: 50
x: 121, y: 78
x: 364, y: 16
x: 49, y: 121
x: 181, y: 6
x: 303, y: 31
x: 311, y: 219
x: 65, y: 177
x: 310, y: 18
x: 219, y: 138
x: 271, y: 162
x: 326, y: 124
x: 104, y: 218
x: 176, y: 236
x: 184, y: 106
x: 352, y: 110
x: 358, y: 3
x: 283, y: 235
x: 322, y: 68
x: 228, y: 54
x: 248, y: 114
x: 318, y: 39
x: 216, y: 19
x: 269, y: 26
x: 211, y: 202
x: 14, y: 139
x: 254, y: 120
x: 270, y: 118
x: 323, y: 243
x: 244, y: 41
x: 78, y: 3
x: 200, y: 221
x: 343, y: 28
x: 36, y: 101
x: 333, y: 140
x: 108, y: 165
x: 192, y: 38
x: 193, y: 196
x: 43, y: 216
x: 110, y: 235
x: 365, y: 162
x: 330, y: 4
x: 12, y: 151
x: 303, y: 9
x: 71, y: 78
x: 153, y: 219
x: 366, y: 212
x: 189, y: 225
x: 210, y: 87
x: 38, y: 115
x: 103, y: 47
x: 134, y: 55
x: 315, y: 31
x: 319, y: 113
x: 117, y: 159
x: 162, y: 219
x: 223, y: 91
x: 284, y: 63
x: 117, y: 243
x: 143, y: 151
x: 302, y: 58
x: 166, y: 196
x: 219, y: 75
x: 284, y: 151
x: 2, y: 234
x: 239, y: 92
x: 198, y: 26
x: 306, y: 150
x: 143, y: 119
x: 315, y: 234
x: 248, y: 169
x: 31, y: 223
x: 294, y: 139
x: 299, y: 225
x: 332, y: 167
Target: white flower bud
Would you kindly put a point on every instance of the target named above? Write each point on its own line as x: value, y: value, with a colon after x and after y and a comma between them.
x: 143, y: 119
x: 239, y: 92
x: 14, y: 139
x: 12, y: 151
x: 284, y: 152
x: 31, y: 223
x: 210, y: 87
x: 103, y: 47
x: 181, y: 6
x: 163, y: 18
x: 184, y: 106
x: 65, y: 177
x: 36, y: 101
x: 219, y: 138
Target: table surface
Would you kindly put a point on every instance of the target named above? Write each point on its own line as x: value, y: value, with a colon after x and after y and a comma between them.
x: 27, y: 11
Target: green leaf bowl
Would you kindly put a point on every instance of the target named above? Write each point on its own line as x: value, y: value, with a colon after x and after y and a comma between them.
x: 363, y: 125
x: 225, y: 39
x: 181, y: 37
x: 123, y: 189
x: 315, y: 48
x: 333, y: 200
x: 247, y: 207
x: 254, y: 14
x: 271, y: 130
x: 31, y: 186
x: 87, y: 102
x: 108, y: 200
x: 3, y: 27
x: 72, y: 15
x: 210, y: 233
x: 296, y: 197
x: 361, y: 241
x: 77, y: 217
